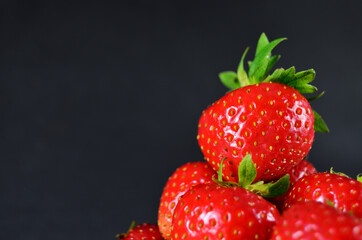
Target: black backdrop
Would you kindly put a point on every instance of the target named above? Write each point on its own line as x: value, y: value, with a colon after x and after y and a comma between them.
x: 99, y: 102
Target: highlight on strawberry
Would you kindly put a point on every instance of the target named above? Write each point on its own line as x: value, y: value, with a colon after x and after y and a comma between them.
x: 263, y: 115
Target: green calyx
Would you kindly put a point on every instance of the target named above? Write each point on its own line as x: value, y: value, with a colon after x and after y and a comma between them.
x: 259, y: 68
x: 358, y: 178
x: 124, y: 235
x: 247, y: 174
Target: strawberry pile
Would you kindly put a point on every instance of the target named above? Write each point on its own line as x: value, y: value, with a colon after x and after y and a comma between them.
x: 256, y: 182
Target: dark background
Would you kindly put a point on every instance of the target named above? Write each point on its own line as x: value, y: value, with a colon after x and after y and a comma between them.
x: 99, y: 102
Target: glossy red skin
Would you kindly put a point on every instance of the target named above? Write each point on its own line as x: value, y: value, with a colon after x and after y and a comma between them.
x: 189, y: 174
x: 314, y: 220
x: 208, y: 211
x: 345, y: 193
x: 271, y: 121
x: 304, y: 168
x: 144, y: 231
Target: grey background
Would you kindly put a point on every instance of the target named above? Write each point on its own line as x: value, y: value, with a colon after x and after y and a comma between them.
x: 99, y: 101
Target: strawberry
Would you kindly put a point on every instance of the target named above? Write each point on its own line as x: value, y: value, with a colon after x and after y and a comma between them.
x: 343, y: 192
x: 304, y: 168
x: 209, y: 211
x: 144, y: 231
x: 315, y: 220
x: 181, y: 180
x: 227, y: 210
x: 267, y: 117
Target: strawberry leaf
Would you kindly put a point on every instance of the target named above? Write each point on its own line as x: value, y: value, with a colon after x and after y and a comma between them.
x: 246, y: 171
x: 305, y: 76
x: 124, y: 235
x: 310, y: 99
x: 219, y: 176
x: 319, y: 124
x: 271, y: 63
x: 329, y: 202
x: 261, y: 59
x: 271, y: 189
x: 241, y: 73
x: 262, y: 42
x: 338, y: 173
x: 280, y: 187
x: 299, y: 80
x: 359, y: 178
x: 229, y: 79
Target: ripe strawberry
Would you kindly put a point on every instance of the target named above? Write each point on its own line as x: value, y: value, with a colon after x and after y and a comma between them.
x: 209, y: 211
x: 181, y: 180
x: 343, y: 192
x: 268, y: 118
x: 314, y: 220
x: 144, y: 231
x: 304, y: 168
x: 271, y: 121
x: 226, y: 210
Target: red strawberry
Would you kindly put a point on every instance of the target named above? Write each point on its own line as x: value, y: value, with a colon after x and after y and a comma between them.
x: 227, y: 210
x: 314, y: 220
x: 271, y: 121
x: 209, y: 211
x: 304, y: 168
x: 144, y: 231
x: 343, y: 192
x: 182, y: 179
x: 268, y: 118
